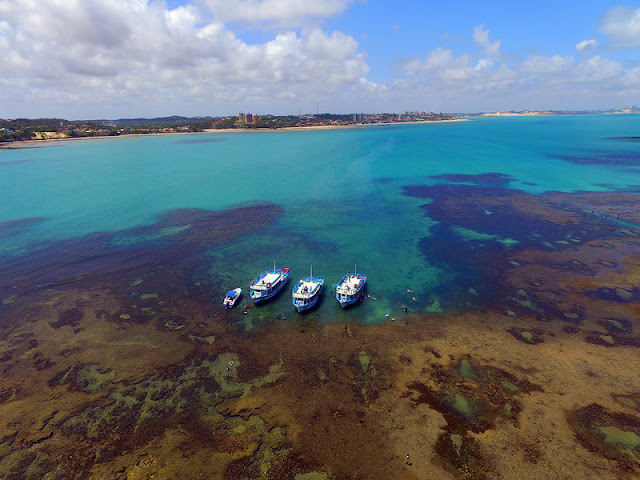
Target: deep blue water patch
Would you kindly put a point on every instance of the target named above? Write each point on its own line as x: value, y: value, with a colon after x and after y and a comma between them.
x: 11, y: 227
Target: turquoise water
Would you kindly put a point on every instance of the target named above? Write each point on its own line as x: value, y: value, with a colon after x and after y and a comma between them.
x: 341, y: 192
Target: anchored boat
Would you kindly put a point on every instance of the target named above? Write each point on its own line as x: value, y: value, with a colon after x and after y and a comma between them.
x: 350, y: 288
x: 231, y: 297
x: 307, y: 292
x: 268, y: 283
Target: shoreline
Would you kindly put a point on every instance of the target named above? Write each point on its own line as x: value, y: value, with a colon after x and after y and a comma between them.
x: 42, y: 142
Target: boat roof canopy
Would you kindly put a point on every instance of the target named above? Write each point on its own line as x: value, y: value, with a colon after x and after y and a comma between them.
x: 231, y: 293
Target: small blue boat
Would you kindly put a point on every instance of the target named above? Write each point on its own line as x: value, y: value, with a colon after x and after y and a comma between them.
x: 268, y: 284
x: 350, y: 288
x: 307, y: 292
x: 231, y: 297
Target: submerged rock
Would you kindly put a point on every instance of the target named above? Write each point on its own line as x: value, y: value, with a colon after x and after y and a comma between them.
x: 615, y: 436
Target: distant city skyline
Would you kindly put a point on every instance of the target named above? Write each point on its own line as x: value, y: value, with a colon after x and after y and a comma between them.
x: 140, y: 58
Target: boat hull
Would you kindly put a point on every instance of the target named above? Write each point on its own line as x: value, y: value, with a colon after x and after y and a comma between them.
x: 351, y: 299
x: 301, y: 307
x: 269, y: 284
x: 350, y: 289
x: 258, y: 298
x: 307, y: 292
x: 230, y: 300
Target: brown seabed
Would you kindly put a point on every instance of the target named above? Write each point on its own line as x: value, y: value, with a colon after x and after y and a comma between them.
x: 144, y: 378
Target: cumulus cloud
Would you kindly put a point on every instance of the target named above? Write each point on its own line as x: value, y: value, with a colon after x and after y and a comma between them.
x: 586, y: 44
x: 116, y: 49
x: 372, y: 87
x: 481, y: 38
x: 544, y: 64
x: 622, y: 25
x: 597, y: 69
x: 442, y: 63
x: 538, y: 81
x: 277, y: 12
x: 143, y: 58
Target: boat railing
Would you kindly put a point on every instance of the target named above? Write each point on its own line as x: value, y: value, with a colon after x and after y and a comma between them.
x: 255, y: 283
x: 305, y: 295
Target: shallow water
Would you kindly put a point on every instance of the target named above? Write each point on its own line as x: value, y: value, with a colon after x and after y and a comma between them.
x: 341, y: 191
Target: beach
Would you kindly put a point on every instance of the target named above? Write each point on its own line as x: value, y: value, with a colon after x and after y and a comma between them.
x: 48, y: 137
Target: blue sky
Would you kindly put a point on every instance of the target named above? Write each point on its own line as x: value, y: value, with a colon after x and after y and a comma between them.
x: 117, y: 58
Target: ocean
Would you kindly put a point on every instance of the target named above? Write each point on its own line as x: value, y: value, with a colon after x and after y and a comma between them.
x: 137, y: 239
x: 341, y: 192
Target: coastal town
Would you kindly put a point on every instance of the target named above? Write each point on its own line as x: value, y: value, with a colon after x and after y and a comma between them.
x: 22, y: 129
x: 15, y: 130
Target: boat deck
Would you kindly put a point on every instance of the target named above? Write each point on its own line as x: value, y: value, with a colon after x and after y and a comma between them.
x: 269, y: 279
x: 311, y: 287
x: 350, y: 284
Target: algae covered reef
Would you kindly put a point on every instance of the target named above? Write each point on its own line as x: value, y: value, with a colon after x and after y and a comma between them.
x: 117, y: 364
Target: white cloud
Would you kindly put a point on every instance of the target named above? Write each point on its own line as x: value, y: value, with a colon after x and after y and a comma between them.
x: 622, y: 25
x: 598, y: 69
x: 443, y: 64
x: 372, y: 87
x: 586, y: 44
x: 88, y: 59
x: 483, y: 64
x: 545, y: 65
x: 141, y: 50
x: 277, y: 12
x: 537, y: 82
x: 481, y: 38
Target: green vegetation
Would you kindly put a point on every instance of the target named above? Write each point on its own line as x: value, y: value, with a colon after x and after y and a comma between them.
x: 26, y: 129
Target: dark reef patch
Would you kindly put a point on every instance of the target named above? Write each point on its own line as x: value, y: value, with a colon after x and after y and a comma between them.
x: 70, y: 317
x: 616, y: 295
x: 13, y: 162
x: 532, y: 336
x: 604, y: 157
x: 612, y: 340
x: 616, y: 325
x: 9, y: 228
x: 489, y: 239
x: 625, y: 139
x: 471, y: 397
x: 170, y: 323
x: 505, y: 213
x: 480, y: 179
x: 615, y: 436
x: 166, y: 254
x: 384, y: 180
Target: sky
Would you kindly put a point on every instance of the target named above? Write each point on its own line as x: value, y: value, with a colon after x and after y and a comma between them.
x: 90, y: 59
